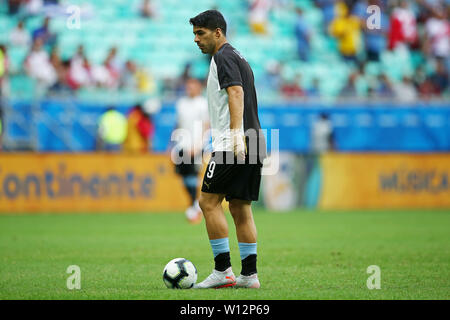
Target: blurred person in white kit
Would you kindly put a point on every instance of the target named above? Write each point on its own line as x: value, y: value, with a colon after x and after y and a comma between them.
x: 192, y: 123
x: 322, y: 135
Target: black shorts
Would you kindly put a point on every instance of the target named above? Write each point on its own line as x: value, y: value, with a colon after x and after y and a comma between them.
x: 187, y: 169
x: 236, y: 181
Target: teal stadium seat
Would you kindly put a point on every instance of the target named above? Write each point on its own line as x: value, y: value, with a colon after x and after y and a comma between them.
x: 6, y: 25
x: 22, y: 87
x: 17, y: 57
x: 373, y: 69
x: 397, y: 64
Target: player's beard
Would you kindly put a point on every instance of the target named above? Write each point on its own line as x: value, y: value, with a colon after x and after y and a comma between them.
x: 207, y: 48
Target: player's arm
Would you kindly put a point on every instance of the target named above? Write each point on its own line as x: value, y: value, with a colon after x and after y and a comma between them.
x: 230, y: 79
x: 236, y: 105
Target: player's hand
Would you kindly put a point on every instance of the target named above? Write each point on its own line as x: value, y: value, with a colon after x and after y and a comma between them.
x: 238, y: 140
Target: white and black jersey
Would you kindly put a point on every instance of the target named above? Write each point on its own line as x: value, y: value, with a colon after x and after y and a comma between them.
x: 228, y: 68
x: 236, y: 181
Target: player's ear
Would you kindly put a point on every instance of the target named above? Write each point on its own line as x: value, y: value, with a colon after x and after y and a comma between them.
x: 218, y: 32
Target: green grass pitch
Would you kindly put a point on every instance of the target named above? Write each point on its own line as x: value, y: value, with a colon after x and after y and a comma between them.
x: 301, y: 255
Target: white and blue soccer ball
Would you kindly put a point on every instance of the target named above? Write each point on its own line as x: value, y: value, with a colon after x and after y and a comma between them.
x: 180, y: 273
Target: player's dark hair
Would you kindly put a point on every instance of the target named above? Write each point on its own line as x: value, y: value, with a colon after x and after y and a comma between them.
x: 210, y: 19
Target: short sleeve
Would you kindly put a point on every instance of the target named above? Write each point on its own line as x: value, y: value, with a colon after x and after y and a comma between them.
x: 228, y: 71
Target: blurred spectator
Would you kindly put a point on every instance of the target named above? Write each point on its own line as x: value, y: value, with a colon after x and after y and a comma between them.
x: 259, y: 15
x: 349, y: 90
x: 79, y: 55
x: 113, y: 61
x: 107, y: 75
x: 32, y: 7
x: 81, y: 72
x: 425, y: 89
x: 303, y: 34
x: 384, y: 88
x: 375, y: 39
x: 19, y: 36
x: 57, y: 64
x: 65, y: 76
x: 438, y: 34
x: 2, y: 61
x: 291, y: 88
x: 271, y: 80
x: 102, y: 76
x: 44, y: 33
x: 403, y: 27
x: 14, y: 6
x: 405, y: 91
x: 313, y: 91
x: 55, y: 58
x: 322, y: 135
x: 112, y: 130
x: 420, y: 28
x: 3, y: 66
x: 128, y: 79
x: 327, y: 7
x: 149, y: 9
x: 39, y: 66
x: 359, y: 7
x: 140, y: 131
x: 64, y: 83
x: 440, y: 78
x: 137, y: 78
x: 347, y: 30
x: 419, y: 75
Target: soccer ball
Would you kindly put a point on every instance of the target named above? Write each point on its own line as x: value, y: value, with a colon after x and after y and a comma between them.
x: 179, y: 273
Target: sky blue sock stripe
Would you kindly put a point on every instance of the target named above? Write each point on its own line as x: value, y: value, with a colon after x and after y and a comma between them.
x: 190, y: 180
x: 246, y: 249
x: 219, y: 246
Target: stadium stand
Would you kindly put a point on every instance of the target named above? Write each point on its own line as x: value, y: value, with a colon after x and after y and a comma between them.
x: 162, y: 48
x: 164, y: 44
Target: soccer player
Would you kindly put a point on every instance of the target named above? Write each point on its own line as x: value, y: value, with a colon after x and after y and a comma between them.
x: 234, y: 170
x: 192, y: 118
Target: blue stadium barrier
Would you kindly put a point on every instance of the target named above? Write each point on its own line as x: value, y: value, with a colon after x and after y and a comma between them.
x: 64, y: 127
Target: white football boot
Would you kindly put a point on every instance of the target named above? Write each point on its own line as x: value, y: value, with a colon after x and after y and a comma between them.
x: 217, y: 280
x: 193, y: 215
x: 250, y: 282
